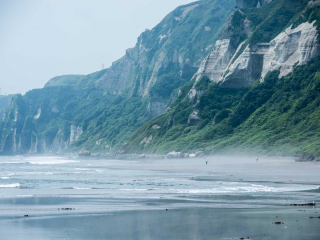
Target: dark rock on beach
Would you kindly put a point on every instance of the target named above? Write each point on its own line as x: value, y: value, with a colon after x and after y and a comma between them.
x: 304, y: 204
x: 306, y: 157
x: 278, y: 223
x: 84, y: 153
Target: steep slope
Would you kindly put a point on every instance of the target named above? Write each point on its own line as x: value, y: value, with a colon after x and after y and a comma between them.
x: 100, y: 111
x: 4, y: 103
x: 57, y: 119
x: 167, y: 56
x: 51, y: 120
x: 253, y: 93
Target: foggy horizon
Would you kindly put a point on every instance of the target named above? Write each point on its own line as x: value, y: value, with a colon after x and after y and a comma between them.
x: 45, y: 40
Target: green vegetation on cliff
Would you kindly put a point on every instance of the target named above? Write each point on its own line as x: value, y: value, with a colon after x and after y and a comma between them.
x: 106, y: 121
x: 278, y: 116
x: 99, y: 112
x: 108, y: 110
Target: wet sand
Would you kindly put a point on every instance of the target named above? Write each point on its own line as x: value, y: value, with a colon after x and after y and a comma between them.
x: 233, y: 169
x: 191, y: 223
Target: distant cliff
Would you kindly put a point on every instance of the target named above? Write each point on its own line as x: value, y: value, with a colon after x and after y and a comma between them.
x: 99, y: 112
x: 4, y: 103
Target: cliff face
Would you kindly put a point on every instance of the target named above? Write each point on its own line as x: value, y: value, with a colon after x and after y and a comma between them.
x: 262, y: 72
x: 100, y: 111
x: 252, y: 60
x: 239, y: 59
x: 217, y: 62
x: 4, y: 103
x: 238, y: 72
x: 291, y: 47
x: 176, y: 46
x: 20, y: 131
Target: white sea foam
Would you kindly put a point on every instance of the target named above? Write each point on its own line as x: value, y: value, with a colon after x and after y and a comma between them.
x: 134, y: 189
x: 77, y: 188
x: 4, y: 178
x: 50, y: 161
x: 13, y: 185
x: 12, y: 162
x: 41, y: 161
x: 252, y: 188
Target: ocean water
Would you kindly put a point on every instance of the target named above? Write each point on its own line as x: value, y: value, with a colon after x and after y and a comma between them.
x: 41, y: 187
x: 139, y: 179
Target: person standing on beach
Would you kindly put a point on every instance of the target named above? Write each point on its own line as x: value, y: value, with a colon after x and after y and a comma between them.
x: 257, y: 159
x: 206, y: 162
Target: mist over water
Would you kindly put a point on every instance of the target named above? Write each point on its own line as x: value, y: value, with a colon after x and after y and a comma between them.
x: 118, y: 192
x: 155, y: 179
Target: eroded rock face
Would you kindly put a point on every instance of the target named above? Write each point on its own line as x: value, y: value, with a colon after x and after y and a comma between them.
x: 293, y: 46
x: 156, y: 107
x: 195, y: 95
x: 313, y: 4
x: 194, y: 119
x: 115, y: 80
x: 38, y: 114
x: 217, y: 62
x: 75, y: 133
x: 160, y: 51
x: 58, y: 144
x: 247, y: 68
x: 306, y: 157
x: 146, y: 140
x: 251, y: 3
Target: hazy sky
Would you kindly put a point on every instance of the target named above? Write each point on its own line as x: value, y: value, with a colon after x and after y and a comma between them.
x: 40, y: 39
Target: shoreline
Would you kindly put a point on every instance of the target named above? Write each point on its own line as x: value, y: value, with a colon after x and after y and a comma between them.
x: 159, y: 199
x: 129, y: 156
x: 182, y: 223
x: 132, y: 157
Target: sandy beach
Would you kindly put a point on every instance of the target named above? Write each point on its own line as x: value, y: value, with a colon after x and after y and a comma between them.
x: 229, y: 198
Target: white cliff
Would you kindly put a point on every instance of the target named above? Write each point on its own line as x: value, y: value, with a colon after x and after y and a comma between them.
x: 194, y: 119
x: 217, y: 62
x: 298, y: 45
x: 247, y: 68
x: 313, y: 4
x: 213, y: 66
x: 59, y: 144
x: 75, y: 133
x: 146, y: 140
x: 293, y: 46
x: 38, y: 114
